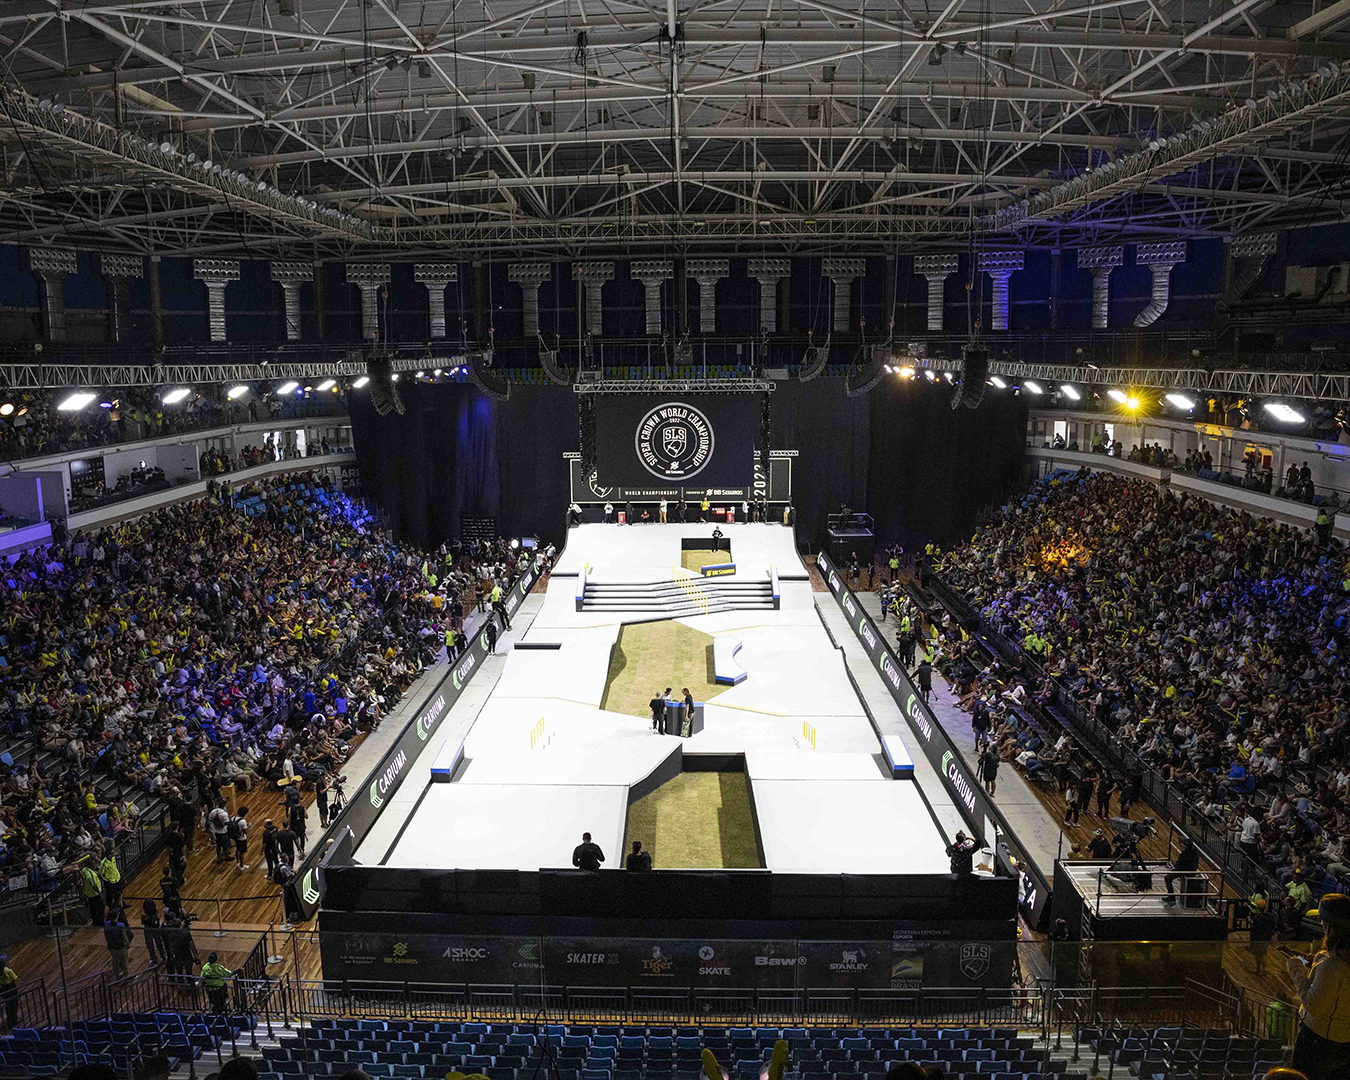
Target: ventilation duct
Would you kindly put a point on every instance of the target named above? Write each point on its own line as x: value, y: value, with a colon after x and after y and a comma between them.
x: 1159, y: 258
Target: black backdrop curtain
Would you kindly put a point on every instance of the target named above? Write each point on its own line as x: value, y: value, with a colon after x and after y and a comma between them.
x: 922, y: 470
x: 831, y: 433
x: 934, y: 468
x: 456, y: 453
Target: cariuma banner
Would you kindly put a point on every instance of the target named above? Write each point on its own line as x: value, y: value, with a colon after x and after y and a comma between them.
x: 401, y: 760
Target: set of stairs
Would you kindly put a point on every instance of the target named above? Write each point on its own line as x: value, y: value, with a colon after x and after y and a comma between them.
x: 678, y: 597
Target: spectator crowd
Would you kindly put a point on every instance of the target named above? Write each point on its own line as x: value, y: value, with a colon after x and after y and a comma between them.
x: 245, y: 638
x: 1209, y: 642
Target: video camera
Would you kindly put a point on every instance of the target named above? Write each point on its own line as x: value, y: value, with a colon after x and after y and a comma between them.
x: 1133, y: 830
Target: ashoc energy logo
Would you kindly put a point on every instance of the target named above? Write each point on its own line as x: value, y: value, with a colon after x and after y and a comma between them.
x: 388, y: 780
x: 957, y: 779
x: 674, y: 441
x: 464, y: 955
x: 708, y: 964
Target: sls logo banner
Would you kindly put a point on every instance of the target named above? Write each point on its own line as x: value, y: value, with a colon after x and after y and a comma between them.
x: 674, y: 441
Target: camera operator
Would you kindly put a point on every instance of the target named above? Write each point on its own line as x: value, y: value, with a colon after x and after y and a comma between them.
x: 961, y: 851
x: 1187, y: 862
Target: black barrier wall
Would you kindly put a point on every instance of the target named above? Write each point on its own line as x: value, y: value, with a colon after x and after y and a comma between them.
x: 912, y: 958
x: 966, y: 794
x: 365, y: 806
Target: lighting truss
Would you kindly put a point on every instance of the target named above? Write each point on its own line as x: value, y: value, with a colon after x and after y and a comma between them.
x: 675, y: 386
x: 1295, y: 384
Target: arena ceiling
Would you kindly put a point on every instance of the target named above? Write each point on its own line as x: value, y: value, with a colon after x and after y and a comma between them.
x: 336, y: 128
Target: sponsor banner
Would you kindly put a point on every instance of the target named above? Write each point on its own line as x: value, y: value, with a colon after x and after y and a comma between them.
x: 965, y: 793
x: 773, y: 484
x: 718, y: 570
x: 908, y: 962
x: 663, y: 441
x: 400, y: 760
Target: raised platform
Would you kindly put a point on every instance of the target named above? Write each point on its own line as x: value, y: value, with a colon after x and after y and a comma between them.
x: 543, y: 762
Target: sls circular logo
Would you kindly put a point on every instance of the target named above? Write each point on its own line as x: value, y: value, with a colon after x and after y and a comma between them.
x: 674, y: 441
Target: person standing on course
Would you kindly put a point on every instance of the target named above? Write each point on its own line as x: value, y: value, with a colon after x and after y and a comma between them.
x: 664, y: 506
x: 658, y: 708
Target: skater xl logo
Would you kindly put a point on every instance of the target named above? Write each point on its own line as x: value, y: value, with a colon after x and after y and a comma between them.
x: 428, y: 719
x: 674, y: 441
x: 388, y: 780
x: 592, y: 958
x: 957, y: 778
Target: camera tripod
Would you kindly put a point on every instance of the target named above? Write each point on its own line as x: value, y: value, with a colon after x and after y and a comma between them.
x: 1129, y: 866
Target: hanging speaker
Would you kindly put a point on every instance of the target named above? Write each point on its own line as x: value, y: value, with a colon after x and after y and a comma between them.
x: 816, y: 356
x: 482, y: 376
x: 548, y: 360
x: 384, y: 393
x: 974, y: 376
x: 862, y: 377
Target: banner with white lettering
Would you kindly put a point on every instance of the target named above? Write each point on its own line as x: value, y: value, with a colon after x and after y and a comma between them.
x: 966, y: 794
x: 367, y: 802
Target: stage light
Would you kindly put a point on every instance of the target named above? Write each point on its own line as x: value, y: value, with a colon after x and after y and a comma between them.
x: 1281, y: 411
x: 327, y: 384
x: 394, y: 377
x: 236, y: 391
x: 105, y: 404
x: 360, y: 382
x: 948, y: 376
x: 419, y: 375
x: 1181, y: 401
x: 306, y: 390
x: 906, y: 373
x: 173, y: 397
x: 1117, y: 396
x: 287, y: 387
x: 515, y: 544
x: 436, y: 374
x: 75, y: 402
x: 997, y: 382
x: 1032, y: 386
x: 1131, y: 402
x: 1070, y: 393
x: 928, y: 374
x: 7, y: 408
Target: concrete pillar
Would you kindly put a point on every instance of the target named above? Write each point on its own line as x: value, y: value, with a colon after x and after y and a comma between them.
x: 652, y: 273
x: 118, y: 271
x: 368, y: 277
x: 937, y: 269
x: 1101, y: 261
x: 707, y: 272
x: 435, y: 276
x: 1159, y: 258
x: 50, y: 266
x: 593, y: 275
x: 290, y: 276
x: 1000, y: 266
x: 842, y: 272
x: 769, y: 272
x: 529, y: 276
x: 156, y: 304
x: 216, y: 274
